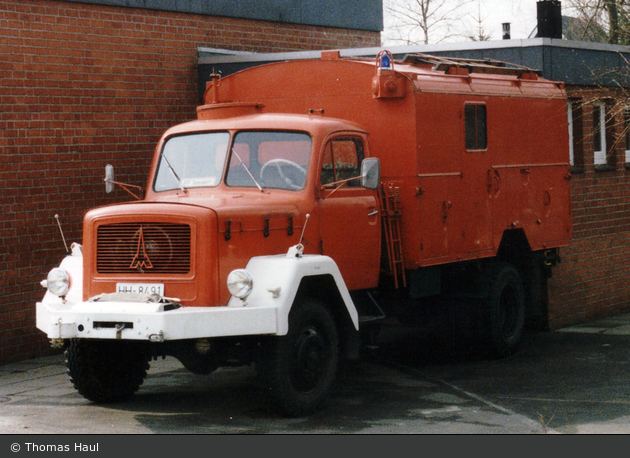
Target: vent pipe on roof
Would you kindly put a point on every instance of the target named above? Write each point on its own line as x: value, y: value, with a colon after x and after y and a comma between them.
x: 506, y: 31
x: 549, y: 19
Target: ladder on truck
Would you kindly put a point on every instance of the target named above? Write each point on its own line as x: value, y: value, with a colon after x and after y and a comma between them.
x: 390, y: 198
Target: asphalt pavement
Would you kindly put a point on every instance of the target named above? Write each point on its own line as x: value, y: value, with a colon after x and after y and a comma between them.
x: 575, y: 380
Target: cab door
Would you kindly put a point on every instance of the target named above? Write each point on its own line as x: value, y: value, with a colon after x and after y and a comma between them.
x: 349, y: 223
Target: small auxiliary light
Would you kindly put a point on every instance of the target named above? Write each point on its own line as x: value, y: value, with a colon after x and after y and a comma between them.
x: 240, y: 283
x: 58, y: 282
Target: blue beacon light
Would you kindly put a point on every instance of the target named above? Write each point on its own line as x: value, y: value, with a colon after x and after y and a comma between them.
x: 386, y: 62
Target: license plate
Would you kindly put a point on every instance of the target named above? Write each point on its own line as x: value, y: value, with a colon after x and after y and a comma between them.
x: 140, y: 288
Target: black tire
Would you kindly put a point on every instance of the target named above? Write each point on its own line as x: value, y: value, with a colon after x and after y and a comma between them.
x: 298, y: 370
x: 504, y: 311
x: 106, y: 371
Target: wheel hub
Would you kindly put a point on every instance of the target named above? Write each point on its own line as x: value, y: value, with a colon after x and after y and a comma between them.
x: 309, y: 360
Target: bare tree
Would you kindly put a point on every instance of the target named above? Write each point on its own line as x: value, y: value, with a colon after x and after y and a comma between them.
x: 599, y: 20
x: 425, y: 21
x: 479, y: 33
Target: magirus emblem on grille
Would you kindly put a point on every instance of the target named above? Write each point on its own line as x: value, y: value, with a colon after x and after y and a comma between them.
x: 141, y: 259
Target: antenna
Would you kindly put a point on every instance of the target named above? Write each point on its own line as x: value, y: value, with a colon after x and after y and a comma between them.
x: 303, y: 229
x: 298, y: 250
x: 62, y: 236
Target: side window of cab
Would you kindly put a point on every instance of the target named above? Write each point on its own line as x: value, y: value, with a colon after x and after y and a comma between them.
x: 342, y: 161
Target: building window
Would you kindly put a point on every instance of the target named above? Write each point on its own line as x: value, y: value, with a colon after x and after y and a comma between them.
x: 599, y: 133
x: 571, y: 136
x: 476, y: 127
x: 574, y: 118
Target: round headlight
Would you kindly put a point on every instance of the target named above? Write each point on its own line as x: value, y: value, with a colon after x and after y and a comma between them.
x: 240, y: 283
x: 58, y: 282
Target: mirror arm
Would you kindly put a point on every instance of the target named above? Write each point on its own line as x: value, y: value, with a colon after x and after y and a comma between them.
x: 338, y: 184
x: 126, y: 187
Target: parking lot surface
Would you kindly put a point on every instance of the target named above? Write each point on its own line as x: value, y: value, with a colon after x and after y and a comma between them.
x: 574, y: 380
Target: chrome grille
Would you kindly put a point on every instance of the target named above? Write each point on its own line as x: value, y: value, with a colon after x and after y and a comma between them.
x: 143, y: 248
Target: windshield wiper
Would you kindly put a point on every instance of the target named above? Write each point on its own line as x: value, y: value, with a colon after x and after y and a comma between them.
x: 179, y: 181
x: 247, y: 170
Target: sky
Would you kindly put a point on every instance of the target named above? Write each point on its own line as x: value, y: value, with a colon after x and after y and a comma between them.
x: 521, y: 14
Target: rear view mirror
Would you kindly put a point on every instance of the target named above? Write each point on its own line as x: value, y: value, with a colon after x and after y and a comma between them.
x: 370, y: 173
x: 109, y: 178
x: 110, y: 183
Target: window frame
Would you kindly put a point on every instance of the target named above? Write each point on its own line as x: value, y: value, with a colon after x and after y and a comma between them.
x: 571, y: 124
x: 252, y: 160
x: 479, y: 144
x: 163, y: 165
x: 600, y: 156
x: 575, y: 118
x: 350, y: 182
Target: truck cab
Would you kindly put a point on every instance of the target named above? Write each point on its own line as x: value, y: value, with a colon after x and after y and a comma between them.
x: 252, y: 181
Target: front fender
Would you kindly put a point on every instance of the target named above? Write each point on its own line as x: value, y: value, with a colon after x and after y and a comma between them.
x: 276, y: 280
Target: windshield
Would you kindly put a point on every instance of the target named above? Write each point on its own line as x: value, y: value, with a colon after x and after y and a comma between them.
x: 269, y: 159
x: 190, y: 161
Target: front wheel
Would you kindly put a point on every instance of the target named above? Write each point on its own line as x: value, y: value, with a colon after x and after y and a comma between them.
x: 105, y: 371
x: 298, y: 369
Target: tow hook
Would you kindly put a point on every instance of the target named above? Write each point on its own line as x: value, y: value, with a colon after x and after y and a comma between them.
x: 119, y: 328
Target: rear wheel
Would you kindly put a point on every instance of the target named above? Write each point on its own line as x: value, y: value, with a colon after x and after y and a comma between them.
x: 504, y: 311
x: 105, y: 371
x: 298, y: 369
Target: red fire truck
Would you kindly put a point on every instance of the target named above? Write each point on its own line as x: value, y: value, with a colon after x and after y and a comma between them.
x: 306, y: 198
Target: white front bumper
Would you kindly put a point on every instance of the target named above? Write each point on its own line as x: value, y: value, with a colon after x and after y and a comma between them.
x: 149, y: 321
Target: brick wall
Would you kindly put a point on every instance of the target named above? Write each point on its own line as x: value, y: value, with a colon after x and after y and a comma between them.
x: 593, y: 278
x: 83, y: 86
